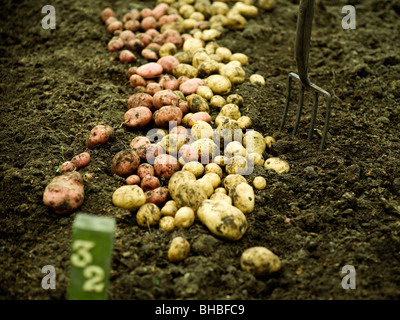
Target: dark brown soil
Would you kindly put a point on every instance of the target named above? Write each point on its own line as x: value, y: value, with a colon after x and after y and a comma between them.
x: 334, y: 208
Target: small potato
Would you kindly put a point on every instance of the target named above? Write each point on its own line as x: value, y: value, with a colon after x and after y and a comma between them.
x: 237, y: 165
x: 269, y: 141
x: 184, y: 69
x: 178, y: 178
x: 140, y: 100
x: 187, y: 153
x: 207, y: 68
x: 217, y: 101
x: 99, y: 135
x: 153, y: 87
x: 150, y: 70
x: 259, y: 183
x: 198, y: 116
x: 125, y: 163
x: 257, y: 79
x: 165, y: 166
x: 107, y: 13
x: 178, y: 250
x: 206, y: 148
x: 138, y: 117
x: 184, y: 218
x: 213, y: 178
x: 130, y: 197
x: 191, y: 86
x: 206, y: 185
x: 210, y: 34
x: 192, y: 44
x: 149, y: 183
x: 167, y: 115
x: 157, y: 196
x: 65, y: 193
x: 199, y: 56
x: 164, y: 98
x: 169, y: 209
x: 243, y: 198
x: 67, y: 166
x: 126, y: 56
x: 148, y: 215
x: 242, y: 58
x: 246, y: 10
x: 223, y: 220
x: 236, y: 22
x: 213, y: 168
x: 228, y: 130
x: 224, y: 53
x: 277, y: 164
x: 221, y: 197
x: 194, y: 167
x: 145, y: 169
x: 234, y: 148
x: 152, y: 152
x: 115, y: 45
x: 183, y: 57
x: 267, y: 5
x: 204, y: 92
x: 140, y: 145
x: 235, y: 74
x: 168, y: 81
x: 235, y: 99
x: 136, y: 81
x: 197, y: 103
x: 172, y: 36
x: 244, y: 122
x: 185, y: 119
x: 189, y: 194
x: 167, y: 224
x: 168, y: 63
x: 259, y: 261
x: 232, y: 179
x: 254, y: 142
x: 201, y: 130
x: 173, y: 142
x: 219, y: 7
x: 220, y: 85
x: 255, y: 158
x: 220, y: 190
x: 133, y: 179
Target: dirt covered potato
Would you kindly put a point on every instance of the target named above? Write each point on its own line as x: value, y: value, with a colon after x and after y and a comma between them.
x: 167, y: 114
x: 178, y: 250
x: 130, y: 197
x: 237, y: 165
x: 100, y: 134
x: 138, y: 117
x: 167, y: 224
x: 223, y: 220
x: 177, y: 178
x: 243, y: 198
x: 125, y: 163
x: 148, y: 215
x: 194, y: 167
x: 184, y: 218
x: 232, y: 179
x: 169, y: 208
x: 189, y: 194
x: 259, y: 261
x: 81, y: 160
x: 277, y: 164
x: 65, y: 193
x: 254, y: 142
x: 158, y: 196
x: 219, y: 84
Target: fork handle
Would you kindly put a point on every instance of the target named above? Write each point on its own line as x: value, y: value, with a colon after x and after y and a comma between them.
x: 303, y: 36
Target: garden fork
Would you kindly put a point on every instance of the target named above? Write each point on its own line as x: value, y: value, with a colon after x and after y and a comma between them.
x: 302, y: 48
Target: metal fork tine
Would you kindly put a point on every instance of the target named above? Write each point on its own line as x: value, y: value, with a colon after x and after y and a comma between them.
x: 299, y: 110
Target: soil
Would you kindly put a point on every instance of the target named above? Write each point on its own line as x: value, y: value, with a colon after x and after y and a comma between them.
x: 336, y: 207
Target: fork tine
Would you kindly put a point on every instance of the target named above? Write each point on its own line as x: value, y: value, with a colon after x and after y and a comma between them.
x: 299, y: 110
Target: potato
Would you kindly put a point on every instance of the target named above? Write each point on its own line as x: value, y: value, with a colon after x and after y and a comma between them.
x: 140, y: 100
x: 191, y: 86
x: 259, y: 261
x: 145, y: 169
x: 115, y: 44
x: 125, y: 163
x: 168, y: 81
x: 138, y: 117
x: 115, y: 26
x: 234, y: 73
x: 254, y: 142
x: 255, y: 158
x: 277, y: 164
x: 130, y: 197
x: 192, y: 44
x: 237, y: 165
x: 259, y: 183
x: 178, y: 178
x: 168, y: 63
x: 189, y: 194
x: 224, y: 53
x: 194, y: 167
x: 206, y: 149
x: 107, y: 13
x: 197, y: 117
x: 169, y: 209
x: 267, y: 5
x: 234, y: 148
x: 184, y: 218
x: 136, y: 81
x: 242, y: 195
x: 206, y: 185
x: 185, y: 119
x: 269, y: 141
x: 152, y: 152
x: 157, y: 196
x: 244, y: 122
x: 140, y: 145
x: 187, y: 153
x: 236, y: 21
x: 213, y: 168
x: 164, y: 98
x: 201, y: 130
x: 178, y: 250
x: 223, y: 220
x: 217, y: 101
x: 65, y: 193
x: 167, y: 224
x: 172, y: 36
x: 183, y: 57
x: 221, y: 197
x: 213, y: 178
x: 67, y: 166
x: 232, y: 179
x: 126, y: 56
x: 246, y: 10
x: 153, y: 87
x: 210, y: 34
x: 207, y: 68
x: 149, y: 183
x: 165, y: 166
x: 148, y: 215
x: 99, y: 135
x: 184, y: 69
x: 132, y: 179
x: 218, y: 84
x: 197, y: 103
x: 150, y: 70
x: 220, y: 190
x: 204, y: 92
x: 242, y: 58
x: 235, y: 99
x: 168, y: 116
x: 160, y: 10
x: 257, y: 79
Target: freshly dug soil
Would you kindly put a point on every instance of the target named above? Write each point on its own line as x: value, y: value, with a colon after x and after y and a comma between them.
x: 336, y: 207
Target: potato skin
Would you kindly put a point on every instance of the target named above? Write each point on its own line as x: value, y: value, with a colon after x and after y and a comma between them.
x: 138, y: 117
x: 65, y: 193
x: 67, y: 166
x: 129, y: 197
x: 148, y: 215
x: 189, y: 194
x: 145, y: 169
x: 149, y: 183
x: 259, y: 261
x: 100, y: 134
x: 140, y: 99
x: 140, y: 144
x: 125, y: 163
x: 167, y: 114
x: 81, y: 160
x: 165, y: 166
x: 157, y: 196
x: 178, y: 250
x: 243, y: 198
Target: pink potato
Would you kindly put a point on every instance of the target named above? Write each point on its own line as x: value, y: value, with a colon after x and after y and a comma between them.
x: 145, y: 38
x: 115, y: 44
x: 150, y: 70
x: 182, y: 79
x: 172, y: 36
x: 168, y: 63
x: 136, y: 45
x: 67, y: 166
x: 190, y: 86
x: 160, y: 10
x: 166, y: 19
x: 125, y: 163
x: 136, y: 81
x: 184, y: 106
x: 145, y: 169
x: 65, y: 193
x: 179, y: 130
x: 107, y: 13
x: 81, y: 160
x: 140, y: 144
x: 149, y: 54
x: 140, y: 100
x: 99, y: 135
x: 110, y: 20
x: 198, y: 116
x: 146, y: 12
x: 131, y: 71
x: 153, y: 87
x: 188, y: 153
x: 132, y: 179
x: 166, y: 165
x: 149, y: 183
x: 168, y: 81
x: 157, y: 196
x: 152, y: 32
x: 115, y: 26
x: 148, y: 23
x: 127, y: 56
x: 167, y: 114
x: 134, y: 14
x: 164, y: 98
x: 126, y: 36
x: 152, y: 152
x: 138, y: 117
x: 132, y: 25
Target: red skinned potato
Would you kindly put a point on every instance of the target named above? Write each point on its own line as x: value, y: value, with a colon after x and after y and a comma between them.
x: 172, y: 36
x: 165, y: 166
x: 136, y: 45
x: 168, y: 81
x: 164, y: 98
x: 64, y: 194
x: 145, y: 38
x: 138, y: 117
x: 125, y: 163
x: 145, y: 169
x: 157, y: 196
x: 107, y: 13
x: 140, y: 100
x: 126, y: 36
x: 81, y: 160
x: 150, y: 54
x: 188, y: 153
x: 146, y: 12
x: 99, y: 135
x: 152, y: 152
x: 115, y: 26
x: 153, y: 87
x: 168, y: 116
x: 115, y: 44
x: 126, y: 56
x: 67, y: 166
x: 133, y: 179
x: 160, y: 10
x: 140, y: 144
x: 153, y: 33
x: 190, y: 86
x: 198, y: 116
x: 136, y: 81
x: 132, y: 25
x: 168, y: 63
x: 148, y: 23
x: 150, y: 183
x: 184, y: 106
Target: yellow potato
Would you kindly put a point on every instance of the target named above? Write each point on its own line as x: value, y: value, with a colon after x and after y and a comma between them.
x: 148, y: 215
x: 217, y: 101
x: 237, y: 165
x: 178, y: 250
x: 167, y: 223
x: 169, y: 208
x: 259, y: 183
x: 221, y: 197
x: 189, y: 194
x: 177, y: 178
x: 230, y: 110
x: 220, y: 85
x: 232, y: 179
x: 130, y: 197
x: 213, y: 168
x: 184, y: 218
x: 206, y: 185
x: 277, y: 164
x: 194, y: 167
x: 259, y: 261
x: 243, y: 198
